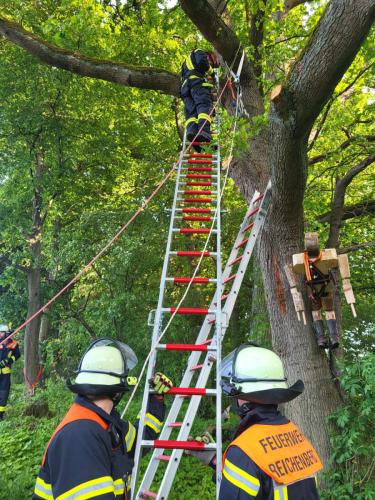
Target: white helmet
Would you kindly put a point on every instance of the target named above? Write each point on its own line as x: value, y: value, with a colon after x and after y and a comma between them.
x: 256, y: 374
x: 104, y: 369
x: 4, y: 328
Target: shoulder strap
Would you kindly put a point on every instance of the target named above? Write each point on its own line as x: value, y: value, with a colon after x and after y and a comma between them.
x: 76, y: 412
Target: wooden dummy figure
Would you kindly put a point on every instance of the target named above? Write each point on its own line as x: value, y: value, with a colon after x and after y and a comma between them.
x: 316, y: 266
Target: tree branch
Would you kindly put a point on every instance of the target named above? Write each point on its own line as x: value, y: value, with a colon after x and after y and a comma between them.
x: 354, y: 248
x: 227, y: 44
x: 124, y: 74
x: 290, y: 4
x: 337, y: 207
x: 343, y: 146
x: 332, y: 47
x: 351, y: 211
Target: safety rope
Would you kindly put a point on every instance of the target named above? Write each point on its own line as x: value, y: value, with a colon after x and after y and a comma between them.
x: 220, y: 195
x: 118, y: 234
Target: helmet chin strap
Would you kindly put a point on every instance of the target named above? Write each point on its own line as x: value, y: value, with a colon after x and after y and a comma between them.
x: 117, y: 398
x: 242, y: 410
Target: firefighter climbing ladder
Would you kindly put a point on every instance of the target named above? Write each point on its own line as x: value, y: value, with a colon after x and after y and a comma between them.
x: 196, y: 170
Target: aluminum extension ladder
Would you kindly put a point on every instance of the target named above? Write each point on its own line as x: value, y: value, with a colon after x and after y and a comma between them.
x: 196, y: 170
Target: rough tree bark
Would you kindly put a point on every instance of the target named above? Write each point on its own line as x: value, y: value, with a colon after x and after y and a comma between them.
x: 280, y: 150
x: 34, y: 279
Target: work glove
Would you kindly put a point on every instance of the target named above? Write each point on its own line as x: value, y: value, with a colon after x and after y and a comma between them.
x: 161, y: 383
x: 4, y: 363
x: 205, y: 456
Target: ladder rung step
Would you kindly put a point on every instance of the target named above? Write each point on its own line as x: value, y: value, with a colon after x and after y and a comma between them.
x: 200, y: 183
x: 148, y: 494
x: 243, y: 243
x: 175, y: 424
x: 196, y: 367
x: 196, y: 218
x: 191, y: 391
x: 198, y: 191
x: 188, y: 310
x: 187, y: 279
x: 248, y: 227
x: 231, y: 278
x: 190, y: 253
x: 198, y: 176
x: 195, y: 143
x: 179, y: 445
x: 200, y: 169
x: 224, y: 297
x: 200, y: 155
x: 258, y: 198
x: 190, y: 230
x: 198, y: 200
x: 197, y: 210
x: 199, y: 162
x: 187, y: 347
x: 211, y: 321
x: 253, y: 212
x: 164, y: 458
x: 235, y: 261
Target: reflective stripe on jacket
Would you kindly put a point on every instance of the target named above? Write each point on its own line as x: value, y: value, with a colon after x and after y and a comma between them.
x: 9, y: 352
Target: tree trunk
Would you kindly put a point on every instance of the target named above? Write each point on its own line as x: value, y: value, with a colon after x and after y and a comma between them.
x: 32, y: 361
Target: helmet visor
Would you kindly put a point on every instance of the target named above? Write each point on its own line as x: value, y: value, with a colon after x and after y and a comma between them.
x: 227, y: 365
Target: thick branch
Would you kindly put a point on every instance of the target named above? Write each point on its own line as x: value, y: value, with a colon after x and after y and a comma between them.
x: 343, y: 146
x: 339, y: 200
x: 354, y: 248
x: 290, y: 4
x: 331, y: 49
x: 124, y: 74
x: 227, y: 44
x: 351, y: 211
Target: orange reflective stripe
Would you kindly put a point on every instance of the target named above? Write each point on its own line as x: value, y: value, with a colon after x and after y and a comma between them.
x: 76, y: 412
x: 281, y: 451
x: 307, y: 261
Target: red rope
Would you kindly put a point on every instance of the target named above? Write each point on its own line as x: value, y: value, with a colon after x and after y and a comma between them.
x: 116, y: 236
x: 38, y: 375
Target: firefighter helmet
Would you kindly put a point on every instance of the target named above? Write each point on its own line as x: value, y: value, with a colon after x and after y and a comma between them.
x: 255, y: 374
x: 104, y: 369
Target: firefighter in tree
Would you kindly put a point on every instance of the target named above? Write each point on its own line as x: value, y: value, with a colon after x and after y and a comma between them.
x: 9, y: 353
x: 90, y: 454
x: 196, y: 93
x: 316, y: 267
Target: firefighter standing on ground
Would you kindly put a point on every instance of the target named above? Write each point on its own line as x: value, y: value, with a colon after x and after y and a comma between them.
x: 9, y: 353
x: 90, y: 454
x: 196, y: 93
x: 269, y: 457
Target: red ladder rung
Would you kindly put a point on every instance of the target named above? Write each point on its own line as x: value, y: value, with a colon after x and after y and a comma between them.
x: 229, y: 279
x: 211, y: 321
x: 186, y: 279
x: 196, y: 367
x: 235, y: 261
x: 196, y: 143
x: 224, y: 297
x: 198, y: 176
x: 208, y: 184
x: 201, y: 162
x: 258, y: 198
x: 178, y: 445
x: 197, y: 210
x: 248, y: 227
x: 190, y: 230
x: 196, y: 218
x: 243, y: 243
x: 175, y: 424
x: 148, y: 494
x: 188, y: 310
x: 165, y: 458
x: 200, y: 155
x: 200, y: 169
x: 186, y: 347
x: 187, y: 391
x: 198, y: 191
x: 189, y: 253
x: 253, y: 212
x: 198, y: 200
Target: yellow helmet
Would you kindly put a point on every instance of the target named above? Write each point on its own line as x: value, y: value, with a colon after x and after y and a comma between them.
x: 104, y: 369
x: 256, y: 374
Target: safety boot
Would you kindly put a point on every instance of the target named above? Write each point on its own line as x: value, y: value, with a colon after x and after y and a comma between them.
x: 333, y: 333
x: 319, y: 334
